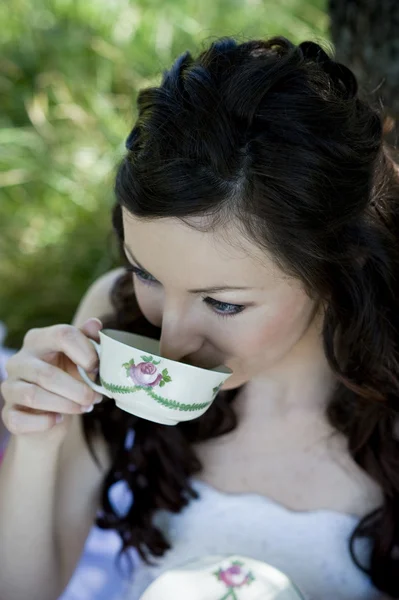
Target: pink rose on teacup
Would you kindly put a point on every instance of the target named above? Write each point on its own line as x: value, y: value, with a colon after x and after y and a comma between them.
x: 145, y: 374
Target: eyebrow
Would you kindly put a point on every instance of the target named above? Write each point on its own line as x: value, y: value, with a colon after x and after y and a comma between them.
x: 210, y: 290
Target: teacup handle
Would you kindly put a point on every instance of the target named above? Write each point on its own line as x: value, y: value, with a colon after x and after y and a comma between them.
x: 97, y: 388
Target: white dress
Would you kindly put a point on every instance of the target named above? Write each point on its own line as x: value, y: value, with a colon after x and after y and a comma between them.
x: 311, y: 548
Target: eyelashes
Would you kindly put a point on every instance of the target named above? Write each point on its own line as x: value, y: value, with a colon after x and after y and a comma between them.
x: 142, y: 275
x: 224, y: 309
x: 221, y: 309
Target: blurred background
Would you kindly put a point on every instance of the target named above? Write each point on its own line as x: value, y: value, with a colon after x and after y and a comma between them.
x: 70, y: 72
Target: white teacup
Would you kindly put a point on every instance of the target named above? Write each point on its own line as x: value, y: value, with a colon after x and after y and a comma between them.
x: 149, y: 386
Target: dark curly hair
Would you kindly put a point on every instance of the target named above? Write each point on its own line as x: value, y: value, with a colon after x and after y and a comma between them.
x: 275, y: 136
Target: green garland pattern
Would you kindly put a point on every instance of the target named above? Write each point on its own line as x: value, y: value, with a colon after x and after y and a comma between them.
x: 121, y: 389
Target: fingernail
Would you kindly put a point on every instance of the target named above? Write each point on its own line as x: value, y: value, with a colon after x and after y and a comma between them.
x: 98, y: 401
x: 87, y: 409
x: 59, y: 418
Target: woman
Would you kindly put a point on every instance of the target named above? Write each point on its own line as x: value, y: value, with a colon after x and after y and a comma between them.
x: 258, y: 211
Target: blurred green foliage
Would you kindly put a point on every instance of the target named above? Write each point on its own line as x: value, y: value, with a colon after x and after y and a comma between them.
x: 70, y: 71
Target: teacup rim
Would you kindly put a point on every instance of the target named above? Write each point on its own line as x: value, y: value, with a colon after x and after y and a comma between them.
x: 221, y: 369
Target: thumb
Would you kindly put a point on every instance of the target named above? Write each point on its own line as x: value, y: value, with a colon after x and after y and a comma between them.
x: 91, y: 328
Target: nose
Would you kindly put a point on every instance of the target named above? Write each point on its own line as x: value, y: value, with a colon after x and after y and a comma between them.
x: 179, y: 335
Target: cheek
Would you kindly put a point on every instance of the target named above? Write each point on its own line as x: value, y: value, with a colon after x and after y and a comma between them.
x: 280, y: 330
x: 265, y: 338
x: 278, y: 326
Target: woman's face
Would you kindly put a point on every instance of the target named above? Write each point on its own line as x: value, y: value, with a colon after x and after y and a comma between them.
x: 249, y: 327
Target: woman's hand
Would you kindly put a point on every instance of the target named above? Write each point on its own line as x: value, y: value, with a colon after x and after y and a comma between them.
x: 43, y: 387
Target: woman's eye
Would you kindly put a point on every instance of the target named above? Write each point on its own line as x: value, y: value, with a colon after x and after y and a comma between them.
x: 222, y: 309
x: 142, y: 275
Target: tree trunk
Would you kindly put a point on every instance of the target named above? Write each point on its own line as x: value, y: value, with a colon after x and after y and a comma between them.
x: 366, y: 38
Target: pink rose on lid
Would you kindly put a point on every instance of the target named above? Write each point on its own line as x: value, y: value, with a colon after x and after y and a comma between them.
x: 145, y: 374
x: 234, y: 576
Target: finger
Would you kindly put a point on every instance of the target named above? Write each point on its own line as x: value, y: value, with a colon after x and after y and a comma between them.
x: 33, y: 397
x: 63, y: 338
x: 91, y: 328
x: 18, y: 422
x: 52, y: 379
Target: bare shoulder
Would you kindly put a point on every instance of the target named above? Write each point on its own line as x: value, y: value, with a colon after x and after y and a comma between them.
x: 97, y: 301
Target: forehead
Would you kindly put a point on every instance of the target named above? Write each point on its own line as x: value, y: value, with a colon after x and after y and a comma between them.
x: 168, y: 243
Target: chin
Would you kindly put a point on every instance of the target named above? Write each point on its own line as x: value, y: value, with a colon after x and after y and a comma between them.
x: 233, y: 382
